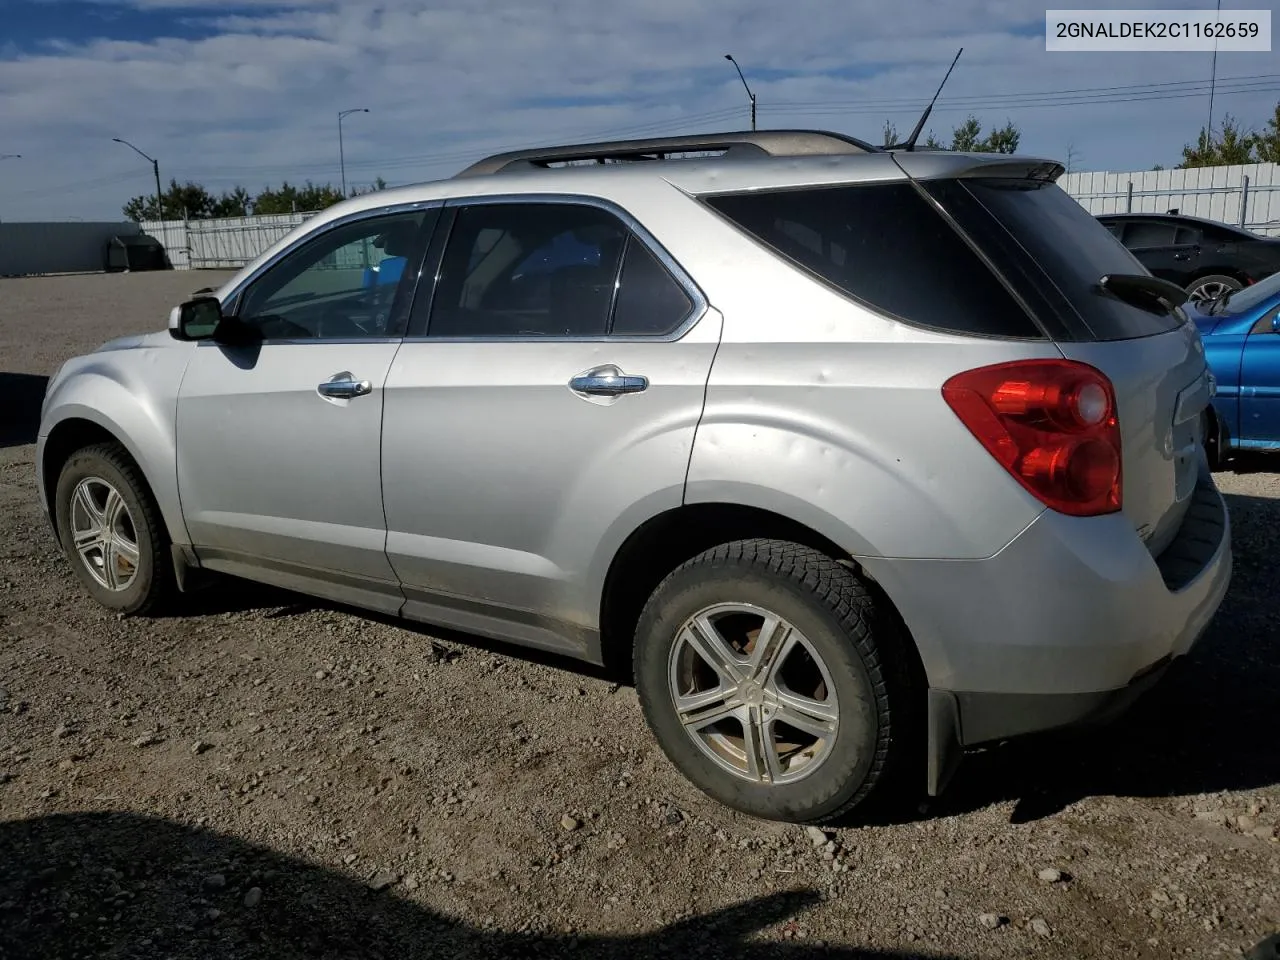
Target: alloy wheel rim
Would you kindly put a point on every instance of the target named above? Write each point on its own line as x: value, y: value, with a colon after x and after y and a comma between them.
x: 753, y: 694
x: 103, y: 533
x: 1209, y: 291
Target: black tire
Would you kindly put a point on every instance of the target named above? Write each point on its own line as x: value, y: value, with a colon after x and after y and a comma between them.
x: 153, y: 584
x: 1213, y: 280
x: 844, y: 623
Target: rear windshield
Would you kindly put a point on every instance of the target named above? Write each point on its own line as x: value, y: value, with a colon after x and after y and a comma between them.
x: 884, y: 245
x: 1064, y: 241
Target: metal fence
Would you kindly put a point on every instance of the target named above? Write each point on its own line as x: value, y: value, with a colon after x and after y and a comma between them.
x: 1247, y: 195
x: 223, y: 243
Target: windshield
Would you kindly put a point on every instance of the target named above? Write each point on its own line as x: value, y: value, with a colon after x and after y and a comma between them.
x: 1242, y: 301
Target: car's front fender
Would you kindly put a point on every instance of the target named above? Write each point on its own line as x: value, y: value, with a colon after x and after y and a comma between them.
x: 131, y: 395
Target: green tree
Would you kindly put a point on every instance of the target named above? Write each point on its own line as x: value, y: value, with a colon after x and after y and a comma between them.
x: 189, y: 200
x: 233, y: 203
x: 891, y: 138
x: 1003, y: 140
x: 968, y: 138
x: 1267, y: 144
x: 290, y: 199
x: 1232, y: 144
x: 378, y: 184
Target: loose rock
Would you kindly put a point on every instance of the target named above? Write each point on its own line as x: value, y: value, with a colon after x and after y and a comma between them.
x: 992, y: 920
x: 1040, y: 927
x: 383, y: 879
x: 1051, y: 875
x: 816, y: 835
x: 253, y: 897
x: 570, y: 823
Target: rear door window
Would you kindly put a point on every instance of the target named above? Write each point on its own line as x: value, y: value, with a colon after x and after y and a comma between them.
x: 1147, y: 233
x: 885, y: 246
x: 527, y: 270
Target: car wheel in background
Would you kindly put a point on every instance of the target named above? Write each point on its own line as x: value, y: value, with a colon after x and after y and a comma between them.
x: 1212, y: 287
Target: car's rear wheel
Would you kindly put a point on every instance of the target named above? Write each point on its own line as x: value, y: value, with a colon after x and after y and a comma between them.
x: 111, y: 530
x: 1212, y: 287
x: 762, y: 669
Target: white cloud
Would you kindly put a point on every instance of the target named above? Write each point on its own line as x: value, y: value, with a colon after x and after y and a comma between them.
x: 256, y: 101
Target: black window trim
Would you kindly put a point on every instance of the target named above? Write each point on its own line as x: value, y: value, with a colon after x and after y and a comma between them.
x: 1067, y: 313
x: 403, y: 298
x: 932, y: 203
x: 419, y: 318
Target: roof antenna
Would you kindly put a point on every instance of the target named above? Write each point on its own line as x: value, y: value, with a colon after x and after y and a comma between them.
x: 915, y: 134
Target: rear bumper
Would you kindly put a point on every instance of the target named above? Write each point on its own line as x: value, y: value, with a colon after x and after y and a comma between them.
x: 1067, y: 625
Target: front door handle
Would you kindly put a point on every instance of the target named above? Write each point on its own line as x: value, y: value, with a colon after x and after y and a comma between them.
x: 344, y: 386
x: 607, y: 381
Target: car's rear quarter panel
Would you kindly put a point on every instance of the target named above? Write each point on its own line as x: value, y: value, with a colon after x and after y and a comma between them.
x: 825, y: 412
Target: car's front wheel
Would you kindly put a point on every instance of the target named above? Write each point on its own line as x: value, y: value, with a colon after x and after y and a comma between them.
x: 111, y: 530
x: 763, y: 670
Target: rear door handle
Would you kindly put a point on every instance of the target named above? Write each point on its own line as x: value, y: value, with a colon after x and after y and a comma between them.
x: 344, y: 386
x: 608, y: 381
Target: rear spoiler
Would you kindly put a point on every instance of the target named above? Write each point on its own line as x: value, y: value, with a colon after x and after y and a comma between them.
x: 928, y: 165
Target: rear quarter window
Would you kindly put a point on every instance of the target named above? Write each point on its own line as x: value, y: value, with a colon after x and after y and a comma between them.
x: 887, y: 247
x: 1054, y: 252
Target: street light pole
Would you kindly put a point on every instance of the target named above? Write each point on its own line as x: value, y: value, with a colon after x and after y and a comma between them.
x: 752, y: 96
x: 342, y: 160
x: 155, y: 168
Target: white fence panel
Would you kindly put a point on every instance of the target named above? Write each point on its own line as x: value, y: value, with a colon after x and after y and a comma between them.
x: 1247, y: 195
x: 173, y: 234
x: 235, y: 241
x: 226, y: 243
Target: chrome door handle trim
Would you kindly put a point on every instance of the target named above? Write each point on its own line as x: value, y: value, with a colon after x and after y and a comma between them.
x: 344, y: 386
x: 608, y: 382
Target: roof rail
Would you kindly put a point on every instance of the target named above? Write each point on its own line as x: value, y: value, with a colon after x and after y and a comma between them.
x: 759, y: 143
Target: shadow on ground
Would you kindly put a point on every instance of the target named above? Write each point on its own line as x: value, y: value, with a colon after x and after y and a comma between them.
x: 129, y: 886
x: 21, y: 395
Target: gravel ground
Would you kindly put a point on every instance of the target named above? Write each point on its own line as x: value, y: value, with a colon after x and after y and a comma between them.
x: 268, y: 776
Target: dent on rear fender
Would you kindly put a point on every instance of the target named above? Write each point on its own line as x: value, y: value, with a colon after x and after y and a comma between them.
x: 134, y: 406
x: 873, y: 498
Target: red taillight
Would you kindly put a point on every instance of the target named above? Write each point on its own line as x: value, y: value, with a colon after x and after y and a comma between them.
x: 1052, y: 424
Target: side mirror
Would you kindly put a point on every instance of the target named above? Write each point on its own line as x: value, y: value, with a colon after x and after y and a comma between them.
x: 196, y: 319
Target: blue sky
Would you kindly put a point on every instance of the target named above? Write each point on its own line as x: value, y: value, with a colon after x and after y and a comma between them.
x: 247, y: 92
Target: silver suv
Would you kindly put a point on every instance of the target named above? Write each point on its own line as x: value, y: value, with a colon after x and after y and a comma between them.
x: 857, y: 458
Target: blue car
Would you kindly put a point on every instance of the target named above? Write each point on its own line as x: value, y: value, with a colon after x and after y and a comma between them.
x: 1241, y: 334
